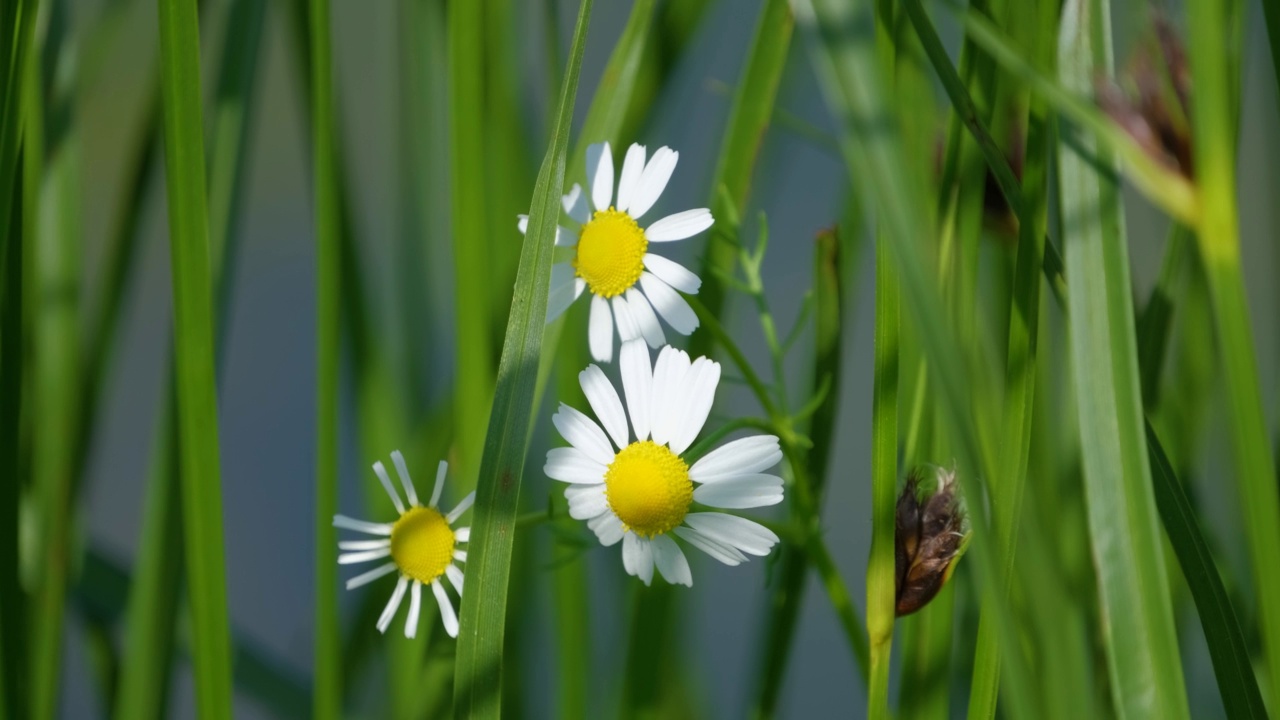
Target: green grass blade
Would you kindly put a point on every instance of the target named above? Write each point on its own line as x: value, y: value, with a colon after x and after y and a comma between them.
x: 478, y: 672
x: 472, y: 222
x: 1157, y: 314
x: 1215, y: 128
x: 17, y: 25
x: 749, y: 117
x: 326, y: 700
x: 194, y: 342
x: 11, y: 369
x: 55, y: 366
x: 1141, y: 645
x: 1227, y: 647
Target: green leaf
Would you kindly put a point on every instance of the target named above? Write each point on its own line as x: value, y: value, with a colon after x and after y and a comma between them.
x: 326, y: 698
x: 1141, y: 645
x: 194, y: 342
x: 477, y: 680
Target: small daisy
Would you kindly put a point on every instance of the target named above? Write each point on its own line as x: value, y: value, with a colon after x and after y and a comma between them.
x: 422, y: 545
x: 641, y: 491
x: 611, y: 254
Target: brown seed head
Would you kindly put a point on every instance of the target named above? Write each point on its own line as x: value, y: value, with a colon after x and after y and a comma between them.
x: 931, y: 534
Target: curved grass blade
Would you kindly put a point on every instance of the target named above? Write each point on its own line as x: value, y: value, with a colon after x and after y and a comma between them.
x: 1141, y: 645
x: 194, y: 342
x: 1215, y: 125
x: 478, y: 673
x: 326, y: 700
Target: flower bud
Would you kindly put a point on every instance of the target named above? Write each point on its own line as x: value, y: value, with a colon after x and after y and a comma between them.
x: 932, y: 533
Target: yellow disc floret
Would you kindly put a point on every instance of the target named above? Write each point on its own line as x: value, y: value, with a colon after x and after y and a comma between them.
x: 610, y: 253
x: 422, y: 544
x: 648, y: 488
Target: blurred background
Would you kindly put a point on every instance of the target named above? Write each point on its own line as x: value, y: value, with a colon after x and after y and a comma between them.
x: 389, y: 81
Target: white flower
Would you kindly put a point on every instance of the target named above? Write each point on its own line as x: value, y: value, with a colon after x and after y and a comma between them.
x: 611, y: 254
x: 640, y: 491
x: 422, y: 545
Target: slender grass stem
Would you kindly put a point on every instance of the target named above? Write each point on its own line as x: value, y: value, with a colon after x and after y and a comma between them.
x: 194, y: 340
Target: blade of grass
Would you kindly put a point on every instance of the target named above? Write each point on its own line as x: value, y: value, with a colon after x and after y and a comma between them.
x: 153, y: 601
x: 1141, y: 644
x: 852, y: 81
x: 1215, y: 126
x: 1157, y: 314
x: 326, y: 699
x: 472, y: 244
x: 194, y: 341
x: 749, y: 117
x: 17, y: 25
x: 478, y: 671
x: 55, y: 361
x: 12, y: 356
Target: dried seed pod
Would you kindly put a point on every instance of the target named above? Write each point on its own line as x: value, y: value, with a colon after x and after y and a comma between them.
x: 931, y: 534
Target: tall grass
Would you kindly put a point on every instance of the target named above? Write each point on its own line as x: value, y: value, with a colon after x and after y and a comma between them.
x: 1108, y: 552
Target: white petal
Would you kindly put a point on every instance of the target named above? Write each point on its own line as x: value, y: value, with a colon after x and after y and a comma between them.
x: 368, y: 577
x: 628, y: 329
x: 668, y: 384
x: 725, y: 554
x: 607, y: 527
x: 600, y: 175
x: 679, y: 226
x: 748, y: 536
x: 346, y: 523
x: 441, y: 470
x: 455, y: 576
x: 583, y: 433
x: 385, y: 479
x: 393, y: 604
x: 606, y: 403
x: 415, y: 611
x: 575, y: 205
x: 462, y: 534
x: 460, y: 555
x: 632, y: 169
x: 352, y: 558
x: 744, y: 456
x: 669, y: 304
x: 572, y: 466
x: 673, y: 273
x: 403, y: 471
x: 564, y: 236
x: 637, y: 383
x: 637, y: 557
x: 642, y: 311
x: 653, y: 181
x: 586, y: 501
x: 364, y: 544
x: 462, y: 507
x: 697, y: 396
x: 745, y: 491
x: 671, y: 561
x: 600, y: 330
x: 446, y: 609
x: 565, y: 288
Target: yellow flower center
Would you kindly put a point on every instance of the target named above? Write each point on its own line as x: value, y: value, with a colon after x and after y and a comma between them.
x: 648, y: 488
x: 422, y: 543
x: 610, y: 253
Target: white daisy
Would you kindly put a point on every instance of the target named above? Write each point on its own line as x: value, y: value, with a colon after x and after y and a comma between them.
x: 640, y: 491
x: 611, y: 253
x: 422, y: 545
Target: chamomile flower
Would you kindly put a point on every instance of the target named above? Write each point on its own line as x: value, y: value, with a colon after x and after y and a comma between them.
x: 611, y: 255
x: 636, y: 487
x: 422, y: 546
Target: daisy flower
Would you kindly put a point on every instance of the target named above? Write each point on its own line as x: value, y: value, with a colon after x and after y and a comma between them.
x: 611, y: 255
x: 640, y: 491
x: 422, y: 545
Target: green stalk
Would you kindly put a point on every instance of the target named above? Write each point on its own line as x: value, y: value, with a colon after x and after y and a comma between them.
x: 55, y: 370
x: 153, y: 601
x: 326, y: 699
x: 1215, y: 129
x: 1141, y: 645
x: 12, y: 351
x: 469, y: 186
x: 17, y: 25
x: 194, y: 341
x: 749, y: 117
x: 478, y: 673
